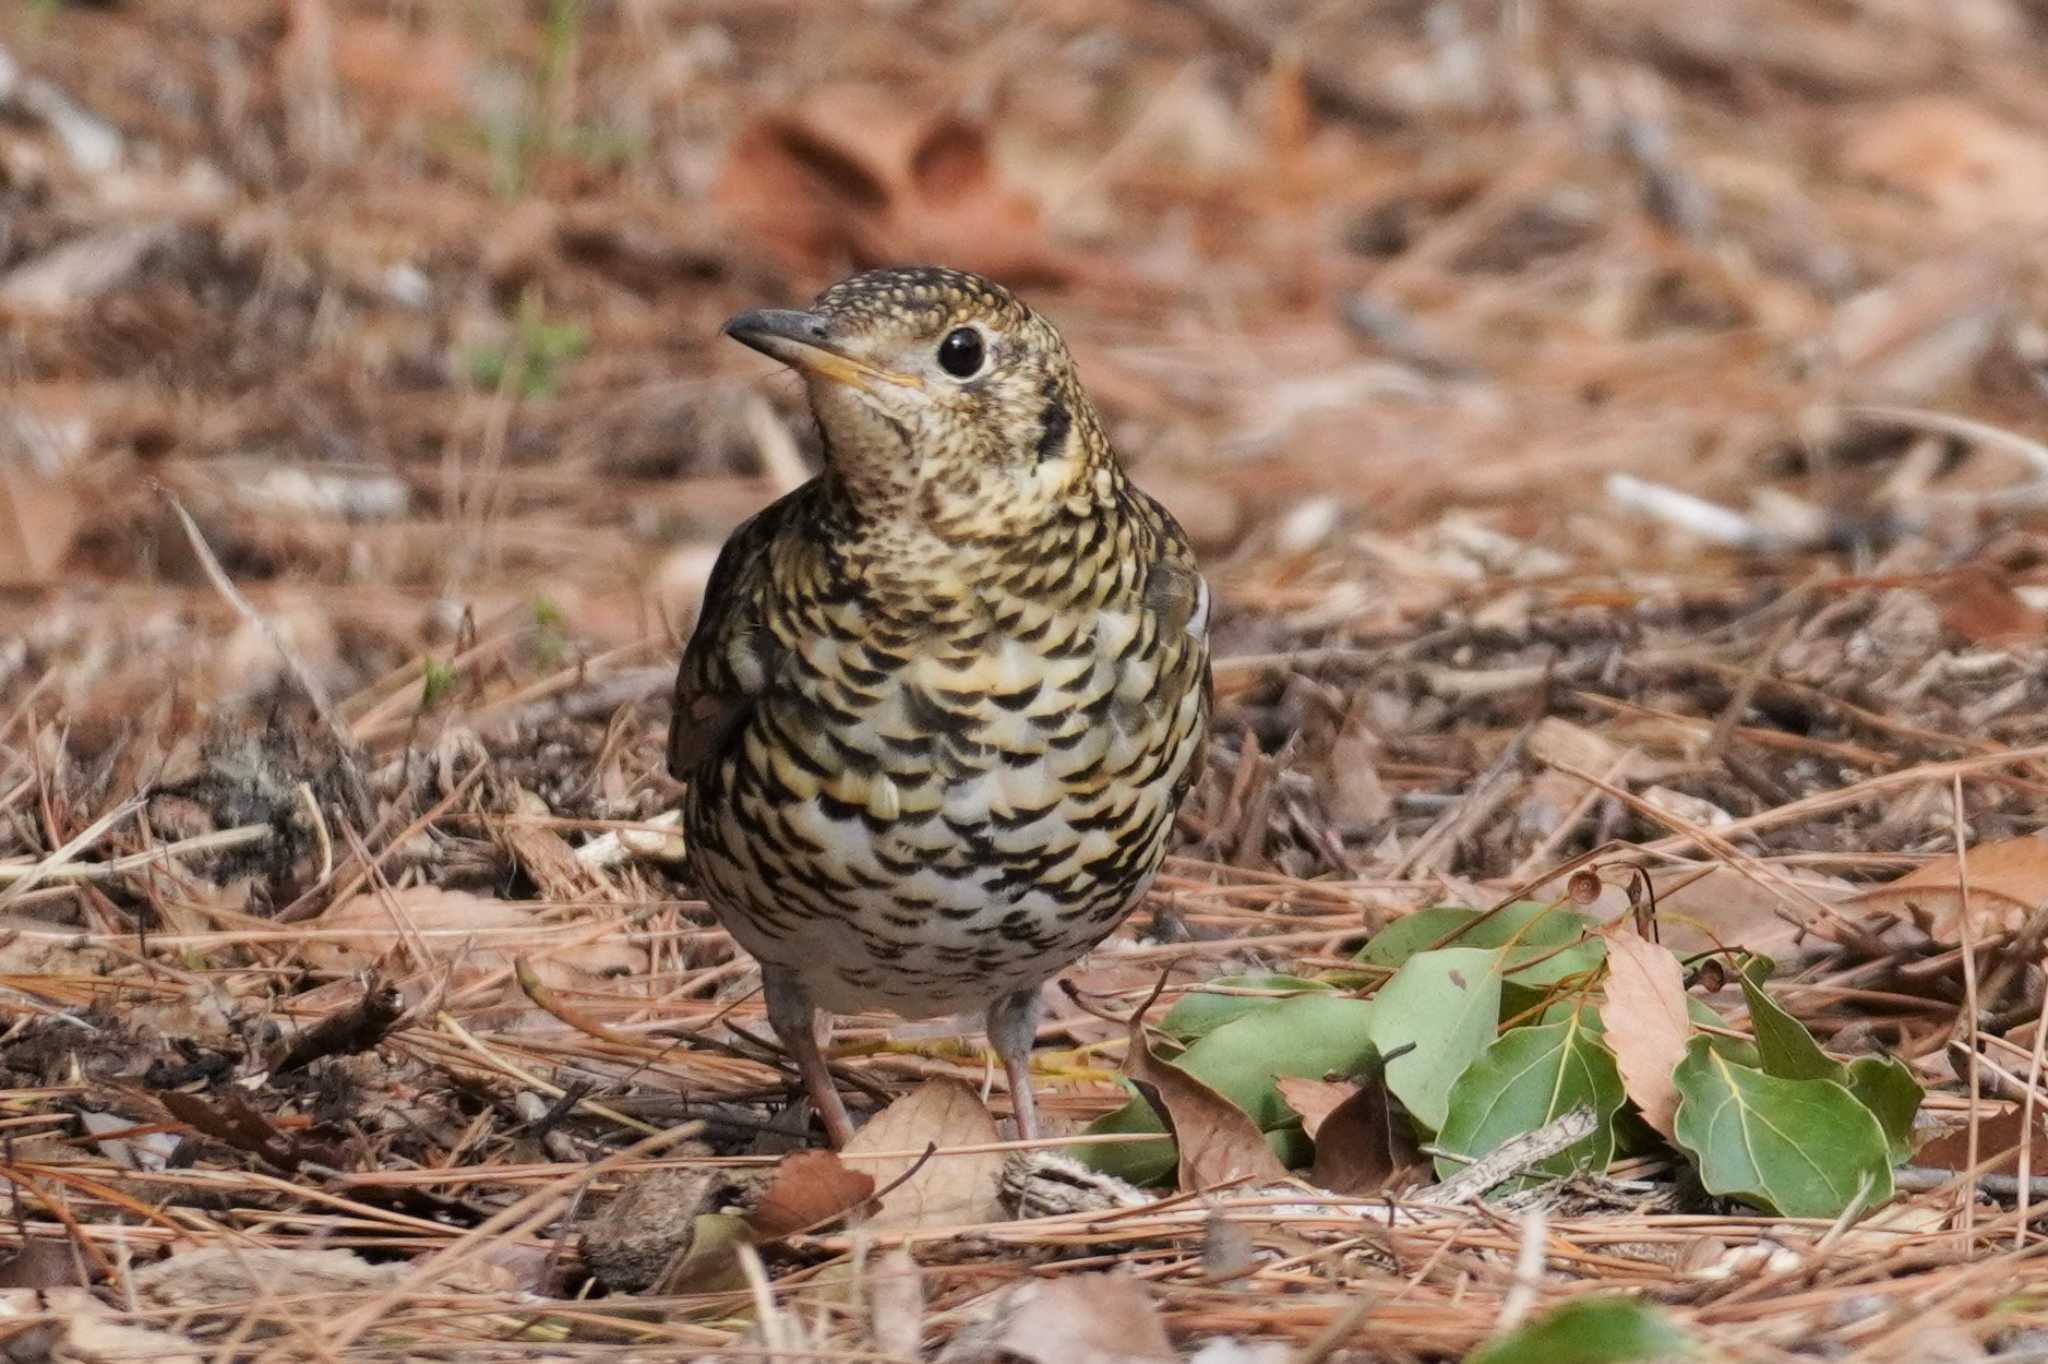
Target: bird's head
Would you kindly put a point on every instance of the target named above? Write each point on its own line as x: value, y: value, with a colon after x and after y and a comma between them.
x: 942, y: 400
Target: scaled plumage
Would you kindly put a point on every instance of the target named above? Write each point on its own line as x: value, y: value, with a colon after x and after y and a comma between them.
x: 942, y: 701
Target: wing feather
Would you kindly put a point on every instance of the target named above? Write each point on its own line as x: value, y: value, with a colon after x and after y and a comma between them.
x: 733, y: 654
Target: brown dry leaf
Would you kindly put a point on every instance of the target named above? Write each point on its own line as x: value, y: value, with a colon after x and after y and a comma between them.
x: 475, y: 934
x: 1367, y: 1144
x: 808, y: 1190
x: 946, y: 1190
x: 1074, y: 1319
x: 1314, y: 1100
x: 1998, y: 1135
x: 1647, y: 1027
x: 853, y: 173
x: 2007, y: 879
x: 1725, y: 905
x: 1981, y: 606
x: 1217, y: 1140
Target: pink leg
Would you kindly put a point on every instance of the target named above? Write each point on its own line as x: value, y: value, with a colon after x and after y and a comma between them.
x: 1012, y: 1028
x: 795, y: 1021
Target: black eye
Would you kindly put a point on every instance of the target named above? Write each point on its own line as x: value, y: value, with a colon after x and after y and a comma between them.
x: 960, y: 353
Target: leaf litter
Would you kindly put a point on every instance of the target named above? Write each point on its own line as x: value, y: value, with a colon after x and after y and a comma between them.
x: 364, y: 447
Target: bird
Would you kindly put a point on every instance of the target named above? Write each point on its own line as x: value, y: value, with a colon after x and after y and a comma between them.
x: 942, y: 702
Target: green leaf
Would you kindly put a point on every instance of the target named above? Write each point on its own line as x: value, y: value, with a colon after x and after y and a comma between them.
x: 1550, y: 943
x: 1738, y: 1051
x: 1572, y: 1011
x: 1138, y: 1162
x: 1526, y: 1078
x: 1446, y: 1003
x: 1200, y: 1012
x: 1796, y: 1148
x: 1416, y: 932
x: 1883, y: 1085
x: 1308, y: 1036
x: 1783, y: 1045
x: 1603, y: 1330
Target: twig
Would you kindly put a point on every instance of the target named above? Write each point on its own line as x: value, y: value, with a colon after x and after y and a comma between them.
x: 58, y: 867
x: 1965, y: 939
x: 1521, y: 1294
x: 86, y: 837
x: 1511, y: 1158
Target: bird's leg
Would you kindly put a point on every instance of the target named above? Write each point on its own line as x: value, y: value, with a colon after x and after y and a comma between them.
x: 1012, y: 1028
x: 795, y: 1020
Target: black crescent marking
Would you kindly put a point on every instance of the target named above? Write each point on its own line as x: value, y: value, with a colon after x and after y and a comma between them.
x: 1056, y: 423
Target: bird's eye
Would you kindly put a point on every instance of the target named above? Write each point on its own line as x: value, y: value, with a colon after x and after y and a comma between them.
x: 960, y: 353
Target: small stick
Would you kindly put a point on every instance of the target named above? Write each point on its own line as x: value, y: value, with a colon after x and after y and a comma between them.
x: 58, y: 868
x: 1511, y: 1158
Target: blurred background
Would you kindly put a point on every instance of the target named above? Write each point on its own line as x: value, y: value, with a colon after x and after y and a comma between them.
x: 1556, y: 389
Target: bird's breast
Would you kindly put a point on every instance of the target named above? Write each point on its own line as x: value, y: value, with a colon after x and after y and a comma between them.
x: 948, y: 801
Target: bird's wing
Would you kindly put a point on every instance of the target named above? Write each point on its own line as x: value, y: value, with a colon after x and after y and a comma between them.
x: 733, y: 654
x: 1178, y: 599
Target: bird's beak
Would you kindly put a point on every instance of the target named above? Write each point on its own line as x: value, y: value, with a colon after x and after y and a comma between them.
x: 803, y: 342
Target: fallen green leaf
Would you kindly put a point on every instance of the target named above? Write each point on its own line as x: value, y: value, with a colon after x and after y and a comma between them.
x: 1884, y: 1086
x: 1200, y: 1012
x: 1880, y: 1083
x: 1783, y: 1045
x: 1523, y: 1080
x: 1549, y: 942
x: 1796, y: 1148
x: 1446, y: 1004
x: 1309, y: 1036
x: 1603, y: 1330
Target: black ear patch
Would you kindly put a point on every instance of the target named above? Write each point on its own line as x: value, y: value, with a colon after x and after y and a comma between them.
x: 1054, y: 422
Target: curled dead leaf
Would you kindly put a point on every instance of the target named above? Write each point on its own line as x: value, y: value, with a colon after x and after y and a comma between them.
x: 853, y: 172
x: 1366, y: 1144
x: 1646, y: 1023
x: 1313, y: 1100
x: 1217, y: 1141
x: 2007, y: 880
x: 944, y: 1190
x: 808, y: 1190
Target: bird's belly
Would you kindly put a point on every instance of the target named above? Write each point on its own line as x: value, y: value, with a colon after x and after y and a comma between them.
x: 961, y: 826
x: 977, y: 885
x: 938, y: 909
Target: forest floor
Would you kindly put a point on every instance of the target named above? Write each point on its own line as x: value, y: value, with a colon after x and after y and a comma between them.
x: 1614, y: 431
